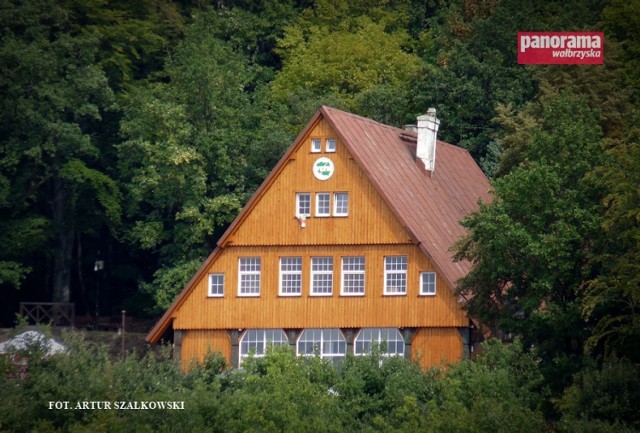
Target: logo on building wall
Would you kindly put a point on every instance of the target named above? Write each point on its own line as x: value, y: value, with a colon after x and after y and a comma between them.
x: 323, y: 168
x: 560, y: 48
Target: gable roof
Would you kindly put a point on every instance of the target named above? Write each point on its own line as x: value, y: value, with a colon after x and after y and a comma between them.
x: 428, y: 205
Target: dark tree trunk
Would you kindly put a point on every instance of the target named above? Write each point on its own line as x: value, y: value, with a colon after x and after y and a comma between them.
x: 64, y: 240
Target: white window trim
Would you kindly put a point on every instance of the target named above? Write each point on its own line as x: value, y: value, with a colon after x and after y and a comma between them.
x: 298, y: 195
x: 335, y: 205
x: 265, y: 343
x: 387, y: 272
x: 316, y: 149
x: 216, y: 295
x: 328, y: 213
x: 282, y: 273
x: 313, y: 273
x: 241, y: 273
x: 379, y: 341
x: 435, y: 284
x: 335, y: 145
x: 343, y: 273
x: 321, y: 343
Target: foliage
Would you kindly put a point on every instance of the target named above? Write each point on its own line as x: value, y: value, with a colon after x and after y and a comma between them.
x: 608, y: 395
x: 532, y: 244
x: 612, y: 298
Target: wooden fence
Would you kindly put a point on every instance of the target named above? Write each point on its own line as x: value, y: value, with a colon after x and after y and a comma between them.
x: 51, y: 313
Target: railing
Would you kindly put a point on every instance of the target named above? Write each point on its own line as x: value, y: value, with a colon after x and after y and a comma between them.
x: 52, y: 313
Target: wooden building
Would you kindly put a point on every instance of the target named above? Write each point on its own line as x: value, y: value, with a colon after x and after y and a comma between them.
x: 346, y: 243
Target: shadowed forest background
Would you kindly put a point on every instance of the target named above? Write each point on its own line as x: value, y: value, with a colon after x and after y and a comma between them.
x: 132, y: 133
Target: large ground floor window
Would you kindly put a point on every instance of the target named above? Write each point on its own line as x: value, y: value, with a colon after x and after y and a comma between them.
x: 389, y: 340
x: 328, y: 343
x: 255, y: 341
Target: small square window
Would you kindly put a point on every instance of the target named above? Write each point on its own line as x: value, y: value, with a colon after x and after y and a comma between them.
x: 341, y: 204
x: 331, y: 145
x: 316, y: 145
x: 323, y: 204
x: 428, y: 283
x: 216, y: 285
x: 303, y: 204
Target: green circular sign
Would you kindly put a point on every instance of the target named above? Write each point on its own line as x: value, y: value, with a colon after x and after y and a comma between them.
x: 323, y: 168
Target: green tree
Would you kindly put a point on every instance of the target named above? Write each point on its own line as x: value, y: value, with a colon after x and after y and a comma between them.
x: 185, y: 162
x: 52, y: 96
x: 612, y: 299
x: 532, y: 245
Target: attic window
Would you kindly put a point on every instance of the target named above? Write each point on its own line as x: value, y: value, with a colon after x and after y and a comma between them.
x: 316, y: 145
x: 303, y: 204
x: 428, y: 283
x: 330, y: 145
x: 216, y: 285
x: 323, y: 204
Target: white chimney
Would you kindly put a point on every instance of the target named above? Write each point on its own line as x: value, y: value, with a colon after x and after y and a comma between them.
x: 428, y: 125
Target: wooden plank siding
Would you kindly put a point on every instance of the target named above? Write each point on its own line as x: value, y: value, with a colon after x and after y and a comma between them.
x: 430, y: 346
x: 196, y: 343
x: 436, y: 346
x: 270, y: 310
x: 272, y: 220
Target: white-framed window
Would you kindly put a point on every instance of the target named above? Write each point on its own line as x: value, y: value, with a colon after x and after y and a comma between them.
x: 249, y: 276
x: 395, y: 275
x: 428, y: 283
x: 321, y: 276
x: 330, y: 145
x: 341, y: 204
x: 323, y: 204
x: 290, y: 276
x: 389, y: 340
x: 316, y: 145
x: 327, y: 343
x: 353, y: 272
x: 254, y: 342
x: 216, y: 285
x: 303, y: 204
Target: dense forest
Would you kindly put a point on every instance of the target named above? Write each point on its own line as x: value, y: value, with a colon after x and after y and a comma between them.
x: 132, y: 133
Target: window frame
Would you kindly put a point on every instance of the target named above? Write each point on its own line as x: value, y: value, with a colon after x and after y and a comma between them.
x: 344, y: 273
x: 299, y: 195
x: 220, y: 284
x: 329, y: 149
x: 336, y: 196
x: 401, y: 273
x: 249, y: 273
x: 255, y: 343
x: 314, y: 141
x: 290, y: 273
x: 325, y: 340
x: 433, y: 283
x: 357, y: 342
x: 315, y: 273
x: 326, y: 195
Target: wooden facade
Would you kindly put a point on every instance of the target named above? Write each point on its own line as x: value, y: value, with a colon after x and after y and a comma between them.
x: 434, y: 326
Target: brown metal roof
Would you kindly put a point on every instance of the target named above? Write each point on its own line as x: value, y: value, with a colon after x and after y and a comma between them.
x: 428, y: 205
